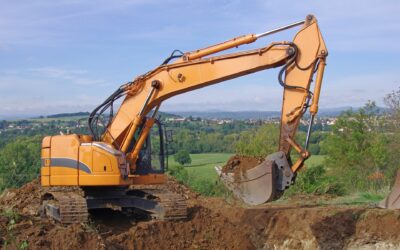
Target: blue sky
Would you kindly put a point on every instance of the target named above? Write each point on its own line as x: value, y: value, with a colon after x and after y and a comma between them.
x: 68, y: 56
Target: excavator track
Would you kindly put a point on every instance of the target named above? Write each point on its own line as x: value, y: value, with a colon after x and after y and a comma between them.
x: 172, y: 206
x: 67, y: 206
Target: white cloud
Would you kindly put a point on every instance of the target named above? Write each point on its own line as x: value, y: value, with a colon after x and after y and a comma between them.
x: 78, y: 77
x: 357, y: 89
x: 33, y: 32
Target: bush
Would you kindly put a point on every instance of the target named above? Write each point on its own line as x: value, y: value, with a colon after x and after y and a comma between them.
x: 180, y: 174
x: 314, y: 149
x: 208, y: 187
x: 183, y: 157
x: 314, y: 180
x: 357, y: 148
x: 19, y: 161
x: 258, y: 142
x: 203, y: 186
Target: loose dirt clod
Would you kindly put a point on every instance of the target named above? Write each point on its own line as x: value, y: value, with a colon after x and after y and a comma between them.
x: 26, y: 200
x: 239, y: 164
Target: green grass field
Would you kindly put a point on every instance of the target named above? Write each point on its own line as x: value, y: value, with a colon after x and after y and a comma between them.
x: 202, y: 178
x: 202, y: 166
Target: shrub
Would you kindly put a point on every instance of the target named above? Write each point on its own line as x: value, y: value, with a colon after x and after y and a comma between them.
x: 258, y: 142
x: 357, y: 148
x: 183, y: 157
x: 180, y: 174
x: 314, y: 180
x: 208, y: 187
x: 203, y: 186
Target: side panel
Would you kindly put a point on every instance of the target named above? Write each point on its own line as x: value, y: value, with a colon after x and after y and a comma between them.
x: 45, y: 169
x: 64, y: 160
x: 102, y: 165
x: 67, y: 162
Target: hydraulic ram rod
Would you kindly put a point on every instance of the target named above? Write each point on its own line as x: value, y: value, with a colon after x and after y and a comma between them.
x: 280, y: 29
x: 237, y: 41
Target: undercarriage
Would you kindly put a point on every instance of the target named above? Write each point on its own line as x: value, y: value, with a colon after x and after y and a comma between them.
x: 73, y: 204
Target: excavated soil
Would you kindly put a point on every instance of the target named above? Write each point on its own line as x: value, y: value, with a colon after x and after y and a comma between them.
x: 240, y: 164
x: 212, y: 224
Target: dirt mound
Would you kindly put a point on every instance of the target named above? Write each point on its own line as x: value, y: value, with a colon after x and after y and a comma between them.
x: 212, y: 224
x: 240, y: 163
x: 25, y: 200
x: 172, y: 185
x: 204, y: 229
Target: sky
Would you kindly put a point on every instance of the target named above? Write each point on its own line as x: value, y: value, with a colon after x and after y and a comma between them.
x: 68, y: 56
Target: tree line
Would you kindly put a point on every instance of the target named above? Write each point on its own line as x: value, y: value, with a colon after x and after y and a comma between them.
x: 361, y: 148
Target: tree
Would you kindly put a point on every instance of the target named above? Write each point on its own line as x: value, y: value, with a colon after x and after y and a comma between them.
x: 356, y: 148
x: 258, y: 142
x: 392, y: 100
x: 183, y: 157
x: 19, y: 161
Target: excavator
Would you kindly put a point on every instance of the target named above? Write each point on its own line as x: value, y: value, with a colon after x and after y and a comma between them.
x: 119, y: 165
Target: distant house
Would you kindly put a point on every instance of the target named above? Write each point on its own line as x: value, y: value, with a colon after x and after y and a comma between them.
x: 331, y: 122
x: 176, y: 119
x: 220, y: 122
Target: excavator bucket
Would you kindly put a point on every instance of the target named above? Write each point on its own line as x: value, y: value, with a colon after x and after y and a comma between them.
x: 260, y: 184
x: 392, y: 201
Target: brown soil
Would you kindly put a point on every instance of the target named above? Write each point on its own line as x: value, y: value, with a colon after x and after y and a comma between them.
x: 239, y: 164
x: 212, y: 224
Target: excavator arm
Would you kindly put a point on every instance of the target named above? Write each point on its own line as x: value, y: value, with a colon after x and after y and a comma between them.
x: 300, y: 59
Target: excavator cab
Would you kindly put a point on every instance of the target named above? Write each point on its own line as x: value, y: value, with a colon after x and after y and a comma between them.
x: 152, y: 155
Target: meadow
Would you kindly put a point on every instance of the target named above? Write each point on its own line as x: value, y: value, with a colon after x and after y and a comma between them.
x: 202, y: 177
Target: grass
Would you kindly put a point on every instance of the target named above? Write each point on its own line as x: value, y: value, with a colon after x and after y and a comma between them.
x: 359, y: 198
x: 200, y: 174
x: 202, y: 166
x: 202, y: 177
x: 201, y: 171
x: 315, y: 160
x: 203, y: 159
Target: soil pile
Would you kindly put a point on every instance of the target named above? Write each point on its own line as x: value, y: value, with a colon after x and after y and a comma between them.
x: 25, y: 200
x: 212, y: 224
x: 239, y: 164
x: 203, y: 230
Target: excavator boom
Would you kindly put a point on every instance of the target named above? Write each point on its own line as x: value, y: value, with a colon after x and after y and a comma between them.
x: 299, y: 59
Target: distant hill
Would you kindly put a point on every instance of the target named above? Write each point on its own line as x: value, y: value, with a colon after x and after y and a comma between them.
x: 210, y: 114
x: 163, y: 115
x: 333, y: 112
x: 255, y: 115
x: 68, y: 115
x: 236, y: 115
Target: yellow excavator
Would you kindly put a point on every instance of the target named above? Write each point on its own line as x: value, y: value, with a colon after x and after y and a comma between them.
x: 118, y: 167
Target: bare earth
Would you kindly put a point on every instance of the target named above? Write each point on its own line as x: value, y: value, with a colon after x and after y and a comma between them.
x: 213, y: 224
